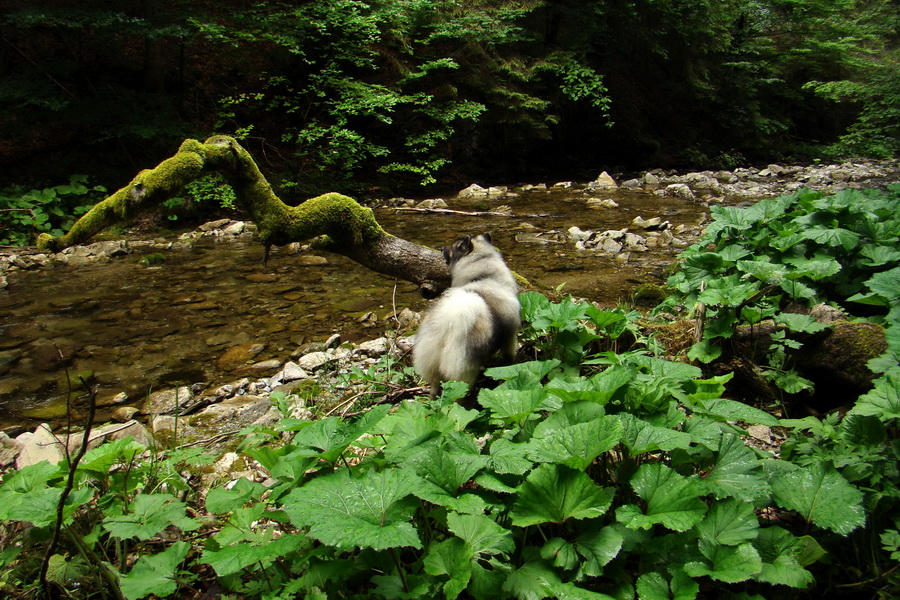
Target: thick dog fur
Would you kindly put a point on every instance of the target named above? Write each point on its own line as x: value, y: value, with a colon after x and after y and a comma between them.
x: 477, y: 316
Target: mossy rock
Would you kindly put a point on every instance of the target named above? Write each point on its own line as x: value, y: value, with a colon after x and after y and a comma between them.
x: 838, y: 363
x: 149, y: 260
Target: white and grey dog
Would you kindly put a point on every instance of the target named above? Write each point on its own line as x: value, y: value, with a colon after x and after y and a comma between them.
x: 474, y: 318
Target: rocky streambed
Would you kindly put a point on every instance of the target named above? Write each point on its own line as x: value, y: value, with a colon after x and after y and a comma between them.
x: 161, y: 326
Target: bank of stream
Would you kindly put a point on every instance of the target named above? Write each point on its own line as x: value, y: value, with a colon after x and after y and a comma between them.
x: 136, y: 327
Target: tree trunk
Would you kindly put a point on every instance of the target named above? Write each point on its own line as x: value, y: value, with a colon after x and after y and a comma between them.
x: 340, y: 223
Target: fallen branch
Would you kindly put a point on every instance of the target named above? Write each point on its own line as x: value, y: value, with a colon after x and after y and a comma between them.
x: 338, y: 222
x: 469, y: 213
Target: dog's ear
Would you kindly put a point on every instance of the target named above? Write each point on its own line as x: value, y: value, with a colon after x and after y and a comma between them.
x: 486, y: 237
x: 459, y: 249
x: 463, y: 246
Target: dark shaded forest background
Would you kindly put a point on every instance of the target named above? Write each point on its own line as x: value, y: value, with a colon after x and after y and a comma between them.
x: 347, y: 94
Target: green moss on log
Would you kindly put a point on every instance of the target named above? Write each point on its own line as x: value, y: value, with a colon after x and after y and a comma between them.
x: 340, y: 218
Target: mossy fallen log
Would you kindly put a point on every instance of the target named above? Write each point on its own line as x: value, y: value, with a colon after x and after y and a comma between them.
x: 338, y: 222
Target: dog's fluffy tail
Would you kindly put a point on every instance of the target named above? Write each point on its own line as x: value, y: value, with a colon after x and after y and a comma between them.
x: 454, y: 338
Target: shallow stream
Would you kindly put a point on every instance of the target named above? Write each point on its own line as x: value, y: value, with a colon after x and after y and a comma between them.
x: 137, y: 329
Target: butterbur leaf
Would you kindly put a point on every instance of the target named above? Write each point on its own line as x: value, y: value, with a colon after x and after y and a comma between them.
x: 729, y: 523
x: 448, y: 470
x: 887, y: 285
x: 729, y: 564
x: 222, y: 500
x: 512, y: 406
x: 779, y: 551
x: 365, y: 511
x: 705, y: 351
x: 737, y: 472
x: 452, y: 558
x: 536, y: 580
x: 731, y: 410
x: 555, y: 493
x: 672, y: 500
x: 509, y: 458
x: 571, y: 413
x: 560, y: 553
x: 598, y: 547
x: 578, y: 445
x: 640, y: 436
x: 820, y: 494
x: 652, y: 586
x: 154, y: 573
x: 262, y: 553
x: 101, y: 459
x: 328, y: 438
x: 148, y: 515
x: 482, y: 533
x: 537, y: 369
x: 800, y: 323
x: 883, y: 401
x: 833, y: 237
x: 683, y: 587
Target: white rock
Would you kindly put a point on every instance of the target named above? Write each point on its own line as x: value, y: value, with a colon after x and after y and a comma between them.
x: 166, y: 401
x: 40, y: 445
x: 473, y: 191
x: 604, y: 203
x: 604, y: 182
x: 679, y: 190
x: 9, y: 449
x: 292, y: 372
x: 312, y: 361
x: 577, y: 235
x: 375, y: 347
x: 235, y: 228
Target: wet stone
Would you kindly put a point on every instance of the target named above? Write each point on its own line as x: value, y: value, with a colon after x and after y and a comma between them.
x: 167, y: 401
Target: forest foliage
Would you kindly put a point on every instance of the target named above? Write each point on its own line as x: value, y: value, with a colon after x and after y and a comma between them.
x: 335, y: 93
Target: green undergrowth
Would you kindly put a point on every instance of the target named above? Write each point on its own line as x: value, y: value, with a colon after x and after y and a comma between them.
x: 776, y: 259
x: 26, y: 213
x: 593, y: 471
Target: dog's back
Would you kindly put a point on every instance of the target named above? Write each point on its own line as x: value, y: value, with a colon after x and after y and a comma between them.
x: 477, y: 316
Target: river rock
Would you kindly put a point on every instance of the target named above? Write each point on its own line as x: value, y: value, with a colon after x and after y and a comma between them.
x: 124, y: 413
x: 311, y: 260
x: 476, y: 191
x: 167, y: 401
x: 610, y: 246
x: 235, y: 228
x: 631, y: 184
x: 679, y: 190
x: 702, y: 181
x: 602, y: 203
x: 375, y: 347
x: 576, y: 234
x: 9, y: 449
x: 110, y: 433
x: 408, y: 319
x: 212, y: 225
x: 432, y: 203
x: 313, y: 360
x: 649, y: 224
x: 39, y: 445
x: 649, y: 180
x: 237, y: 356
x: 604, y: 182
x: 292, y: 372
